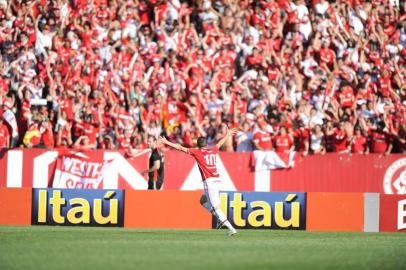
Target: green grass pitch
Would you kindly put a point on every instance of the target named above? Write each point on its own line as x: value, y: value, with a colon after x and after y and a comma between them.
x: 43, y: 247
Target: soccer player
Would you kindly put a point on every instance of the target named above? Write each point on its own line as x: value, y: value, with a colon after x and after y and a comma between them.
x: 206, y: 160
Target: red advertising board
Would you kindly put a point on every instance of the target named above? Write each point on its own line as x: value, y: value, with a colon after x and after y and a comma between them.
x: 392, y: 213
x: 327, y: 173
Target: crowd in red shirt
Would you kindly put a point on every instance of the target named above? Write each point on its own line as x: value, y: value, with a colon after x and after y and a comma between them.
x: 314, y: 76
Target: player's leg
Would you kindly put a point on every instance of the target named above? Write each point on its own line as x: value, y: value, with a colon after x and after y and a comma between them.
x: 213, y: 197
x: 205, y: 203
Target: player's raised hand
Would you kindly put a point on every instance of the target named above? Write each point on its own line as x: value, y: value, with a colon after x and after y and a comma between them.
x: 162, y: 140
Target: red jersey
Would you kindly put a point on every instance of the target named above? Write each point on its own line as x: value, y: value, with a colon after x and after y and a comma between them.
x: 301, y: 136
x: 206, y: 160
x: 254, y: 60
x: 346, y: 96
x: 263, y: 139
x: 48, y: 138
x: 66, y: 105
x: 223, y: 61
x: 380, y: 141
x: 326, y: 55
x: 3, y: 135
x: 359, y: 144
x: 273, y: 72
x: 124, y: 142
x: 340, y: 140
x: 282, y: 143
x: 91, y: 132
x: 385, y: 85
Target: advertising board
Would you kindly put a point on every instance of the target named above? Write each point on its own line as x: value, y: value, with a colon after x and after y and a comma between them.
x: 392, y: 213
x: 77, y: 207
x: 265, y: 210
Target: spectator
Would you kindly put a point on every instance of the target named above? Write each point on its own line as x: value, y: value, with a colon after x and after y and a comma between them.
x: 329, y: 132
x: 358, y: 142
x: 228, y: 145
x: 283, y: 141
x: 340, y: 138
x: 262, y: 136
x: 381, y: 140
x: 301, y: 138
x: 47, y: 134
x: 317, y: 140
x: 9, y: 117
x: 64, y: 137
x: 4, y: 134
x: 244, y: 138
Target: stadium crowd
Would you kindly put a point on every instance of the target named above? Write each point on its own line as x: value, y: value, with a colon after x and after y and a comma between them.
x: 316, y: 76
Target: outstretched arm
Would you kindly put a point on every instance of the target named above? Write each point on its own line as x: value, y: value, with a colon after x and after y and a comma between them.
x: 132, y: 153
x: 230, y: 133
x: 173, y: 145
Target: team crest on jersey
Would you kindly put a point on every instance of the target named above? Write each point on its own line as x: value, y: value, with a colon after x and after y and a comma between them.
x: 394, y: 181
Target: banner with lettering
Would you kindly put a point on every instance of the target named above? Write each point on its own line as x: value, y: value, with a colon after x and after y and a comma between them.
x: 264, y: 210
x: 79, y: 170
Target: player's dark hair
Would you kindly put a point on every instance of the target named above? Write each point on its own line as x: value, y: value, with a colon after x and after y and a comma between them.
x: 201, y: 142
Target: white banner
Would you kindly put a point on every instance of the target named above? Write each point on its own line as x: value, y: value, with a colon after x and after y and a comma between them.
x: 270, y: 160
x: 78, y: 170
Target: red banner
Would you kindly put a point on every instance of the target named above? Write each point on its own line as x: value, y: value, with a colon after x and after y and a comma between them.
x: 327, y: 173
x: 392, y: 213
x: 342, y: 173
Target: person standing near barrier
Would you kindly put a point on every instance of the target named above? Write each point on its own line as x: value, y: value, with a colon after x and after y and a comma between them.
x: 4, y: 134
x: 155, y: 169
x: 206, y: 160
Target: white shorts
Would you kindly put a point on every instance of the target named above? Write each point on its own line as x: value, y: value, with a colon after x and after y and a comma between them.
x: 212, y: 191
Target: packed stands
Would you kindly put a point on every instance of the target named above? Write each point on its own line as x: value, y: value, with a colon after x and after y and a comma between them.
x: 315, y: 76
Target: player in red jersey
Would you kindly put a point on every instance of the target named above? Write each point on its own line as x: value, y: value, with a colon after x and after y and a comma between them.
x: 206, y: 160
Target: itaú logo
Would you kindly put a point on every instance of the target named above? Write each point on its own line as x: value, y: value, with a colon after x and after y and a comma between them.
x: 265, y: 210
x: 77, y: 207
x: 394, y: 181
